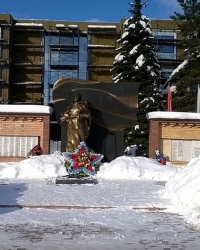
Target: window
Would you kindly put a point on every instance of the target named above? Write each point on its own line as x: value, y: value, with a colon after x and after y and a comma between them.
x: 65, y: 56
x: 161, y: 48
x: 59, y: 57
x: 66, y: 39
x: 0, y: 43
x: 164, y: 75
x: 164, y: 45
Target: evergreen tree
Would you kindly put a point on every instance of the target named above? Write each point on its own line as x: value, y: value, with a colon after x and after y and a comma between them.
x: 187, y: 76
x: 136, y: 62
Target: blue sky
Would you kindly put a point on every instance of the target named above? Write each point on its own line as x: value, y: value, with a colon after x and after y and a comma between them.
x: 84, y: 10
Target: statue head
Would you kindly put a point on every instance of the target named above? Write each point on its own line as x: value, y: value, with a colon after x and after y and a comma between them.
x: 77, y: 97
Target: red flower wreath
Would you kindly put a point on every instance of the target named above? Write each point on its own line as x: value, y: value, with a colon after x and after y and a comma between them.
x: 82, y: 160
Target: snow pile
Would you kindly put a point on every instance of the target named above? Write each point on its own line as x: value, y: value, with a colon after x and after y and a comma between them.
x: 136, y: 168
x: 36, y: 167
x: 184, y: 190
x: 185, y: 183
x: 124, y: 167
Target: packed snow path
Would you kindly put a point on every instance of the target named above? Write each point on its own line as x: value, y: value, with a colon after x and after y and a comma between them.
x: 126, y: 214
x: 94, y: 229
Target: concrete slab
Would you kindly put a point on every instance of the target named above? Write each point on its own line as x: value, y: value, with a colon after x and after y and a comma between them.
x: 72, y: 180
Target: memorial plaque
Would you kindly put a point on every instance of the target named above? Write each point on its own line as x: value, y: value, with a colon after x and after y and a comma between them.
x: 177, y: 150
x: 6, y: 146
x: 185, y: 150
x: 29, y: 144
x: 12, y: 146
x: 17, y: 146
x: 23, y: 146
x: 195, y: 149
x: 1, y: 146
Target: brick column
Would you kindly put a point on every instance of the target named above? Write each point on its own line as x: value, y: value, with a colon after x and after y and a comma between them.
x: 154, y: 141
x: 46, y: 135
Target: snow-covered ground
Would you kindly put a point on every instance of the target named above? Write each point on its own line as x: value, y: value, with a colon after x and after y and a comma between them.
x: 182, y: 187
x: 125, y: 186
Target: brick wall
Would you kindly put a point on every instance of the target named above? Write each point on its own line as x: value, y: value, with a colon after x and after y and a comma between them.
x: 180, y: 130
x: 161, y: 129
x: 26, y: 125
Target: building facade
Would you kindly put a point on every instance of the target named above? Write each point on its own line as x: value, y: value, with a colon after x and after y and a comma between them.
x: 34, y: 54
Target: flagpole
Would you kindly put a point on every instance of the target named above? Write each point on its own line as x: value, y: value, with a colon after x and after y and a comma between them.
x: 169, y: 99
x: 198, y: 98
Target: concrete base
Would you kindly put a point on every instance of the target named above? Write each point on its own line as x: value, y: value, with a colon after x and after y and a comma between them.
x: 73, y: 180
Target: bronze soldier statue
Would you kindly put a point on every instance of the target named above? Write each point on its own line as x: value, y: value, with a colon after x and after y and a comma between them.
x: 78, y: 122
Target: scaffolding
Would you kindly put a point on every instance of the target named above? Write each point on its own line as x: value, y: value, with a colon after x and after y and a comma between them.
x: 28, y: 63
x: 4, y: 60
x: 101, y: 51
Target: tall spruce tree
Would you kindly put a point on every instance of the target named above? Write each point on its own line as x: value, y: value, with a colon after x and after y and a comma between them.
x: 136, y: 62
x: 186, y: 77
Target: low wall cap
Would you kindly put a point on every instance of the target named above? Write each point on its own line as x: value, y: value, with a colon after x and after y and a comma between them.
x: 173, y: 115
x: 34, y: 109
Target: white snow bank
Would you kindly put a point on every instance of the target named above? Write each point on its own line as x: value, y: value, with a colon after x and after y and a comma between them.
x: 184, y: 187
x: 124, y: 167
x: 184, y: 191
x: 36, y: 167
x: 136, y: 168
